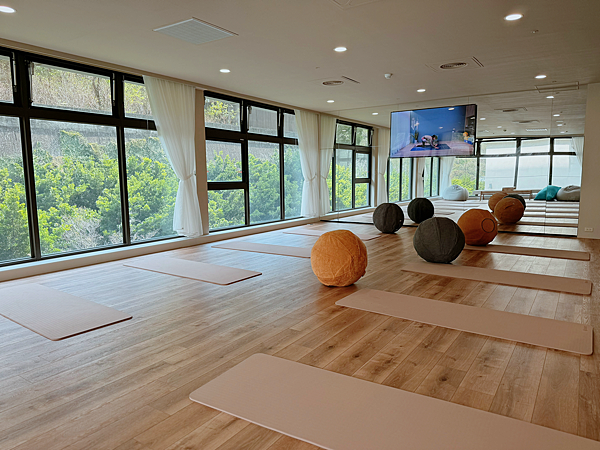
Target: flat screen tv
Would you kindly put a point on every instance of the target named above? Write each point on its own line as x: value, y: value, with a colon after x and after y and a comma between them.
x: 448, y: 131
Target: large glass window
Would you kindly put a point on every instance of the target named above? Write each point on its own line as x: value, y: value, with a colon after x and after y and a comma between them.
x: 223, y: 161
x: 222, y: 114
x: 566, y: 170
x: 137, y: 104
x: 343, y: 179
x: 497, y: 173
x: 6, y: 85
x: 535, y: 146
x: 464, y: 173
x: 226, y: 208
x: 294, y: 181
x: 406, y: 179
x: 262, y: 121
x: 534, y: 172
x: 265, y: 186
x: 14, y: 230
x: 393, y: 174
x: 435, y: 172
x: 427, y: 178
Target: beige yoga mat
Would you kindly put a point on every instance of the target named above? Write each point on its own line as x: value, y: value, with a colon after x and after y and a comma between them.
x: 55, y: 314
x: 299, y: 252
x: 506, y: 277
x: 311, y: 232
x: 549, y: 333
x: 339, y: 412
x: 531, y: 251
x: 211, y: 273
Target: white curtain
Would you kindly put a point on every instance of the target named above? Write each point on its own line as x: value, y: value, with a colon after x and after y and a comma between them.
x: 577, y: 147
x: 383, y: 152
x: 446, y: 164
x: 307, y: 125
x: 173, y: 109
x: 327, y: 140
x: 419, y: 180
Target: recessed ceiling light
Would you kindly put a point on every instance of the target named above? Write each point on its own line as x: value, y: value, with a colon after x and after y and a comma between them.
x: 483, y: 118
x: 7, y: 9
x: 499, y: 126
x: 224, y: 70
x: 330, y: 101
x: 420, y: 90
x: 559, y: 124
x: 512, y: 17
x: 340, y: 49
x: 512, y: 132
x: 450, y: 109
x: 562, y: 132
x: 556, y: 115
x: 539, y: 77
x: 550, y: 96
x: 375, y: 114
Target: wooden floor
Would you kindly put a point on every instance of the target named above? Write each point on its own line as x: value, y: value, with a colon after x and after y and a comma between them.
x: 126, y: 386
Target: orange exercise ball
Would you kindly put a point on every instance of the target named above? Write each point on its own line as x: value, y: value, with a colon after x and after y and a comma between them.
x: 494, y: 199
x: 339, y: 258
x: 479, y: 226
x: 509, y: 210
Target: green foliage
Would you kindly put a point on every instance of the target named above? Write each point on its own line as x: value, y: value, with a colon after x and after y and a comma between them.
x: 463, y: 173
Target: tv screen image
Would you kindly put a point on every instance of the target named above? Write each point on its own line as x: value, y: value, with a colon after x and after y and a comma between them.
x: 447, y: 131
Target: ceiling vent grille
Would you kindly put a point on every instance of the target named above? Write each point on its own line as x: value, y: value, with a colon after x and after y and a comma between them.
x: 350, y: 79
x: 512, y: 110
x: 195, y: 31
x: 465, y: 63
x: 525, y: 122
x: 454, y: 65
x: 557, y: 87
x: 333, y: 83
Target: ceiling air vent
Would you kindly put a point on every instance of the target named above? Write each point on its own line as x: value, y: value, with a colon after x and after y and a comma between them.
x: 195, y: 31
x: 333, y: 83
x: 557, y: 87
x: 454, y: 65
x: 537, y: 129
x: 512, y: 110
x: 525, y: 122
x: 465, y: 62
x: 350, y: 79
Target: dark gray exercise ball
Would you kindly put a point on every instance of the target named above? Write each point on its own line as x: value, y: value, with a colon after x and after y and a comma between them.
x: 439, y: 240
x: 518, y: 197
x: 388, y: 218
x: 420, y: 209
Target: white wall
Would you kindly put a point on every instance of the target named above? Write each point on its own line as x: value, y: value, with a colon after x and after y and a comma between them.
x: 589, y: 211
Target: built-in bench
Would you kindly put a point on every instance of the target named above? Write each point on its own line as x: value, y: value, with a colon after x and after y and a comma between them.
x: 523, y: 192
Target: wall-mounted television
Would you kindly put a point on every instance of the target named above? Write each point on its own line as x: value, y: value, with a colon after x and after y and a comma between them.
x: 447, y: 131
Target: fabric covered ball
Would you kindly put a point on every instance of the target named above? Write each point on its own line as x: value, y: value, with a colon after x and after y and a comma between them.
x: 509, y: 210
x: 439, y: 240
x: 479, y: 226
x: 569, y: 194
x: 494, y: 199
x: 518, y: 197
x: 420, y: 209
x: 456, y: 193
x: 339, y: 258
x: 388, y: 217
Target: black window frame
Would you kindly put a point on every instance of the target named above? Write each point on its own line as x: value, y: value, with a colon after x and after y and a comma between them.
x: 403, y: 161
x: 244, y: 137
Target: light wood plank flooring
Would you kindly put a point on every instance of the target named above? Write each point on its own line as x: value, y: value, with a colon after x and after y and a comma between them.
x: 126, y: 386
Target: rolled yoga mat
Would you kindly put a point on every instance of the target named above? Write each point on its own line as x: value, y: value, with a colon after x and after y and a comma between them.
x: 506, y: 277
x: 339, y: 412
x: 210, y: 273
x: 310, y: 232
x: 531, y: 251
x: 55, y: 314
x: 284, y: 250
x: 549, y: 333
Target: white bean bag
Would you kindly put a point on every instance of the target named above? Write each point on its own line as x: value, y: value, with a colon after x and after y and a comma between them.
x: 569, y: 194
x: 455, y: 192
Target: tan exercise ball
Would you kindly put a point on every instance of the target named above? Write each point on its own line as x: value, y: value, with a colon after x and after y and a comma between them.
x: 339, y: 258
x: 509, y: 210
x: 479, y: 226
x: 494, y: 199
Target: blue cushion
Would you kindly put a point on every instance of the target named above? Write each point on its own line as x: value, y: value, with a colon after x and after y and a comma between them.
x: 551, y: 192
x: 542, y: 194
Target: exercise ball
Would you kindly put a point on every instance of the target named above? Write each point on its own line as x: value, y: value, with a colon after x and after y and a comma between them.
x: 339, y: 258
x: 494, y: 199
x: 439, y: 240
x: 388, y: 218
x: 518, y: 197
x: 479, y: 226
x: 420, y: 209
x: 509, y: 210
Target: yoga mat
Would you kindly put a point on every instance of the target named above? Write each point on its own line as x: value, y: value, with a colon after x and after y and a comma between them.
x: 531, y: 251
x: 339, y: 412
x: 549, y: 333
x: 200, y: 271
x: 309, y: 232
x: 54, y: 314
x: 506, y: 277
x: 299, y: 252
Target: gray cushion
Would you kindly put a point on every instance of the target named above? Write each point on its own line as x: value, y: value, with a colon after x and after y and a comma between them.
x: 388, y: 218
x: 439, y: 240
x: 569, y: 194
x: 456, y: 193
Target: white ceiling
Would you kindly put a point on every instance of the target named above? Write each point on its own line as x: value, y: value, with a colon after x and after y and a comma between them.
x: 284, y: 48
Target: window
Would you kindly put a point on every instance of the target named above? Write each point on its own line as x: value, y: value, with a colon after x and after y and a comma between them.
x: 496, y: 173
x: 406, y: 172
x: 435, y: 177
x: 427, y: 178
x: 464, y: 173
x: 81, y: 165
x: 566, y: 170
x: 534, y: 172
x: 254, y: 176
x: 350, y: 185
x: 393, y: 176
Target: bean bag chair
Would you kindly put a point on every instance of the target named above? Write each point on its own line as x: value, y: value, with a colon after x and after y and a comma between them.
x: 569, y: 194
x: 548, y: 193
x: 509, y: 210
x: 456, y: 193
x: 439, y: 240
x: 494, y: 199
x: 420, y: 209
x: 339, y: 258
x: 479, y: 226
x: 388, y: 218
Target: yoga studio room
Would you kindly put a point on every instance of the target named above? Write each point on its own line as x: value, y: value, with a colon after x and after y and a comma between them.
x: 299, y: 225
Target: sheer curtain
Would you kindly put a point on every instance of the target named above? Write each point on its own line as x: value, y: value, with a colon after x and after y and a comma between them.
x: 383, y: 151
x: 173, y: 109
x: 446, y: 164
x: 419, y: 179
x: 307, y: 125
x: 327, y: 140
x: 577, y: 147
